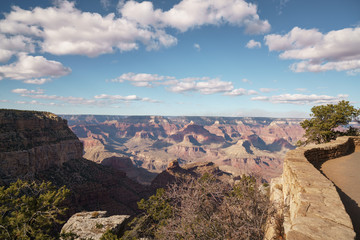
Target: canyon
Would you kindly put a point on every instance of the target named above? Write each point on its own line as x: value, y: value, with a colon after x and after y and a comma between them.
x: 143, y: 146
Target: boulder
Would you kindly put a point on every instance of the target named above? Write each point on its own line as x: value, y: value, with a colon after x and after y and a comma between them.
x: 92, y: 225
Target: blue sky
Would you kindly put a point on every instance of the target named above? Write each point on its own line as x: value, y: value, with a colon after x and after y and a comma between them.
x: 274, y: 58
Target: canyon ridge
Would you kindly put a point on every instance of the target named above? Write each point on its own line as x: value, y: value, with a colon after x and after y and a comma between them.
x: 143, y: 146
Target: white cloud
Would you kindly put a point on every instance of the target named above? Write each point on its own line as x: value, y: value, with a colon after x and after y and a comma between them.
x: 301, y: 89
x: 27, y: 91
x: 99, y: 100
x: 63, y: 29
x: 241, y: 92
x: 140, y: 79
x: 125, y: 98
x: 301, y: 99
x: 202, y: 85
x: 210, y: 86
x: 189, y: 14
x: 14, y: 44
x: 253, y: 44
x: 38, y: 81
x: 29, y: 69
x: 4, y: 100
x: 197, y: 46
x: 336, y: 50
x: 267, y: 90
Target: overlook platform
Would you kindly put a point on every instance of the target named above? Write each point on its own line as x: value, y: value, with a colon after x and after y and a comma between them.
x: 318, y: 192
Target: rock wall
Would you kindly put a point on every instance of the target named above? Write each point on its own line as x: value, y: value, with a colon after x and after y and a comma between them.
x: 34, y: 141
x: 311, y: 206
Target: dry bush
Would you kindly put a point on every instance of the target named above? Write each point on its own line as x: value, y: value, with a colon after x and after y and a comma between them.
x: 206, y: 208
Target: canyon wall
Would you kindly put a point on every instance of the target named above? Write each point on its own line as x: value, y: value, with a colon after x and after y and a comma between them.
x: 34, y: 141
x: 40, y: 146
x: 311, y: 206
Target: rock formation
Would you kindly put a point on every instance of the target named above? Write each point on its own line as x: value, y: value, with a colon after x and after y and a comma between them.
x: 152, y: 142
x: 40, y: 146
x: 34, y: 141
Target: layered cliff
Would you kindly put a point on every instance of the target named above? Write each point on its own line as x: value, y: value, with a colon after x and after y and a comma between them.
x: 34, y: 141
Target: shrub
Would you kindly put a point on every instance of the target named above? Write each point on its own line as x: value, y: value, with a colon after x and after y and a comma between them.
x: 29, y: 210
x: 204, y: 208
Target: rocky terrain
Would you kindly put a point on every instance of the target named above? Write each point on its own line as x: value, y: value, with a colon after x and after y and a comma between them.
x: 143, y: 146
x: 40, y: 146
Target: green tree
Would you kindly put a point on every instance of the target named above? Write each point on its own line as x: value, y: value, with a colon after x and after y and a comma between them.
x: 29, y: 210
x: 157, y: 210
x: 325, y: 119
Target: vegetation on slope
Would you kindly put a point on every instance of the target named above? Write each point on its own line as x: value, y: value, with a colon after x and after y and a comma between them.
x: 203, y: 208
x: 30, y: 211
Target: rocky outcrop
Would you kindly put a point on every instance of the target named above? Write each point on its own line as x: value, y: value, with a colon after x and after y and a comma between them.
x: 92, y: 225
x: 40, y: 146
x: 34, y: 141
x: 312, y: 207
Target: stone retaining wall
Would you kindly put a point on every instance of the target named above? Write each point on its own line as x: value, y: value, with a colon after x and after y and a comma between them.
x: 311, y: 206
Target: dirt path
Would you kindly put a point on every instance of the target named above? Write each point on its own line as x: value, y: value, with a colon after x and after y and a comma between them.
x: 345, y: 174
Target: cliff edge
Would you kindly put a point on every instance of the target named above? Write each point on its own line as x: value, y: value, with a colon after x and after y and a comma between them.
x: 40, y: 146
x: 34, y: 141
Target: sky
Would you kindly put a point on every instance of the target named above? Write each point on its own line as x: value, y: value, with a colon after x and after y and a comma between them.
x: 259, y: 58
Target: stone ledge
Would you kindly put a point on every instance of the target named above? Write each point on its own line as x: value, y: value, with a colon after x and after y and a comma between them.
x: 311, y: 205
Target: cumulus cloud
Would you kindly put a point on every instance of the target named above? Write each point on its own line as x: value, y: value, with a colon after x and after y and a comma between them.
x: 336, y: 50
x: 140, y: 79
x: 33, y: 69
x: 202, y: 85
x: 253, y: 44
x: 64, y: 29
x: 98, y: 100
x: 188, y: 14
x: 301, y: 99
x: 14, y: 44
x: 210, y: 86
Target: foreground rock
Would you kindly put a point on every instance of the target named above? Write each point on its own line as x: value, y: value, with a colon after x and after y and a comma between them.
x: 92, y: 225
